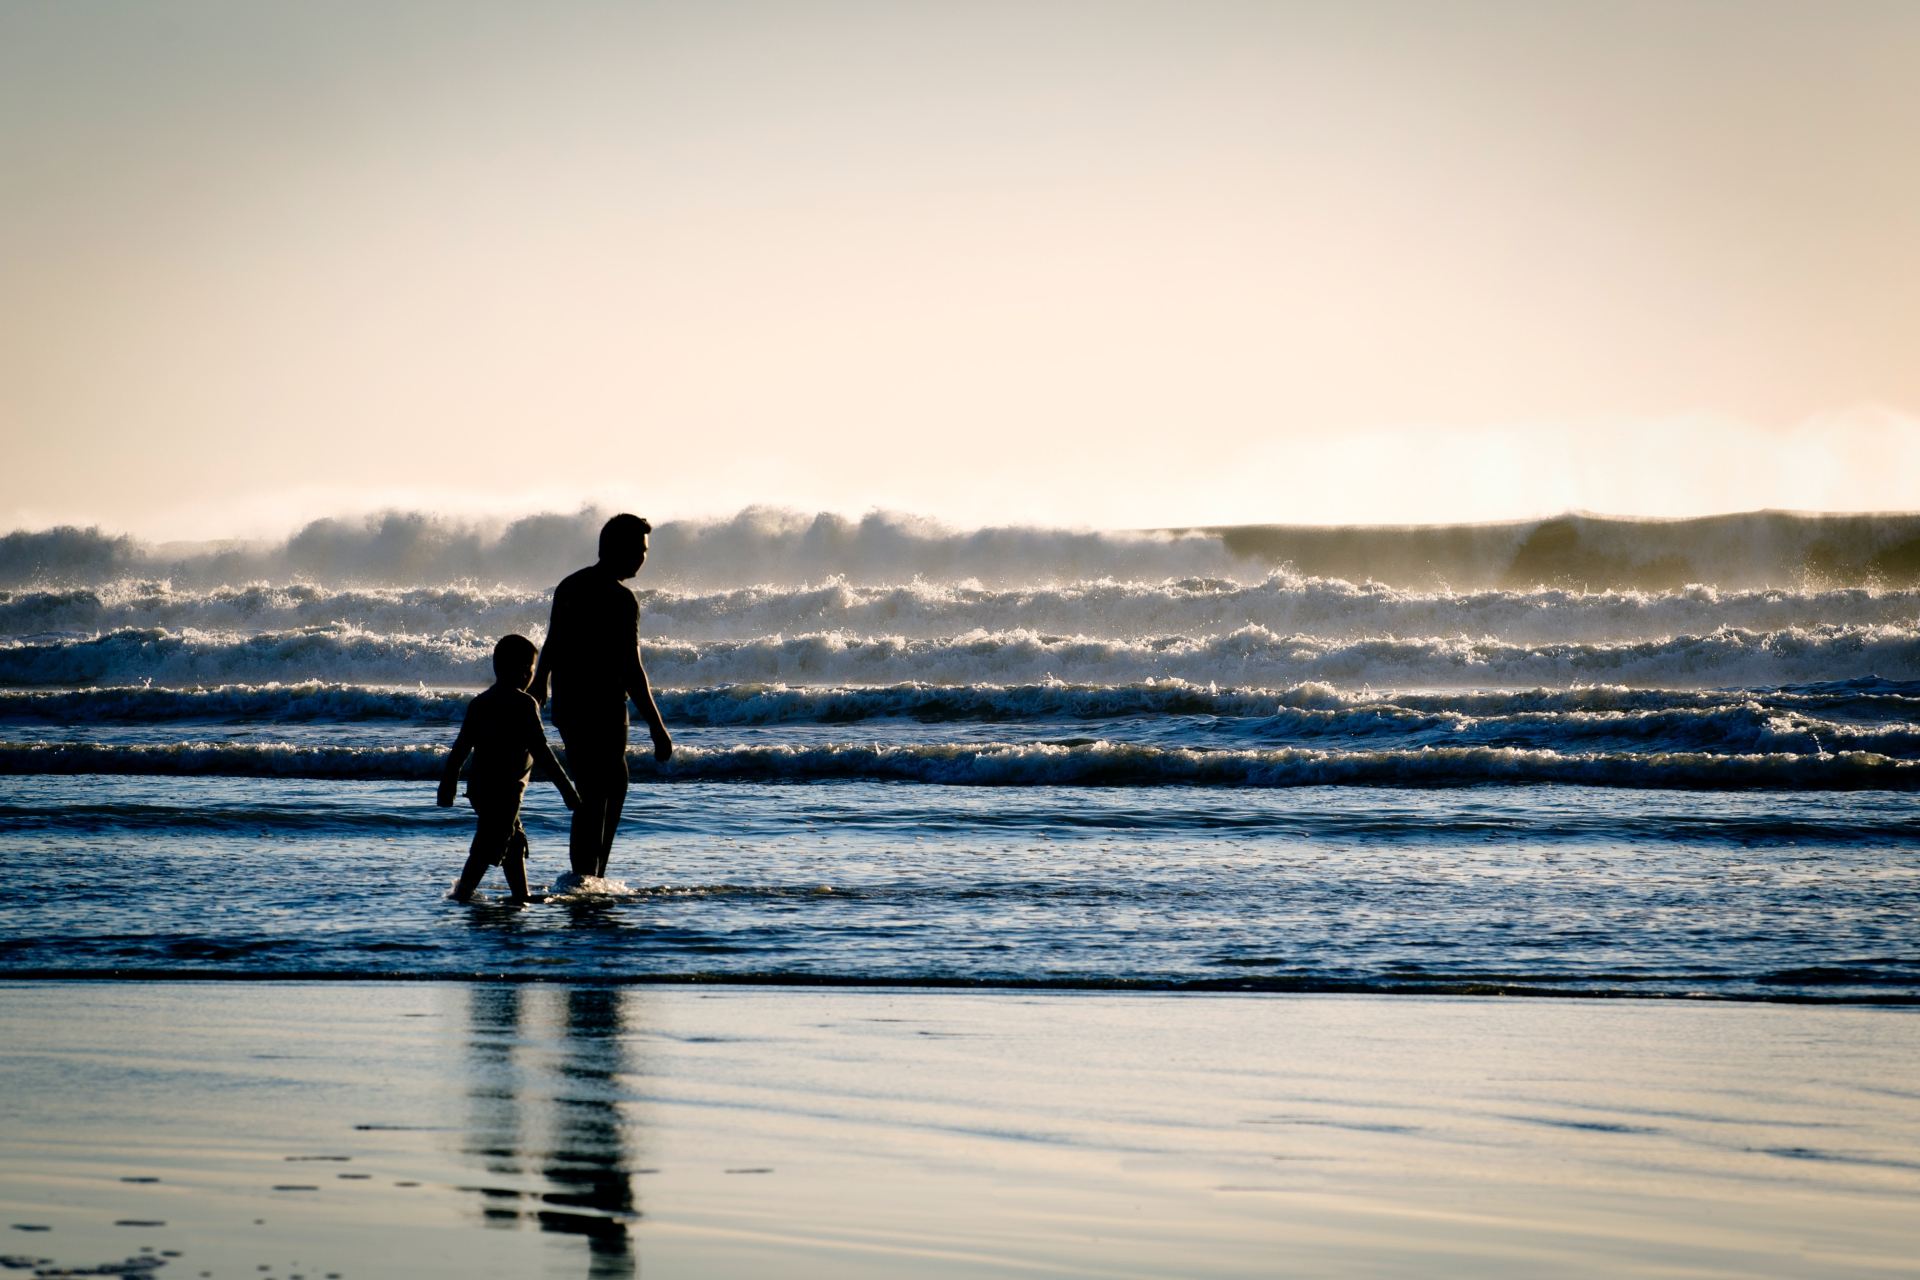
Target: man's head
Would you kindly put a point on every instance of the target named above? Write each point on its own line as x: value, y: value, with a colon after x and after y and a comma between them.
x: 623, y: 544
x: 513, y: 661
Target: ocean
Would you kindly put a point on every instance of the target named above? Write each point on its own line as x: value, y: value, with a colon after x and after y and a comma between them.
x: 1573, y: 757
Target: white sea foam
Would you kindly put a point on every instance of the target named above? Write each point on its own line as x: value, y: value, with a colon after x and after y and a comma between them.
x: 1248, y: 656
x: 1856, y: 716
x: 570, y: 886
x: 1098, y: 763
x: 1871, y: 700
x: 192, y: 656
x: 301, y: 702
x: 922, y: 610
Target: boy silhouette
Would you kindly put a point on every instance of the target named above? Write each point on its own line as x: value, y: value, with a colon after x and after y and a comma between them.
x: 503, y: 734
x: 592, y: 660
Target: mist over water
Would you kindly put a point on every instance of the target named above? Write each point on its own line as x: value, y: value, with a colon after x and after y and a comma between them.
x: 773, y: 546
x: 758, y: 545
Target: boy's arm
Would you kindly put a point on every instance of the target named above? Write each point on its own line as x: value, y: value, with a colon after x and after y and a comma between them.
x: 450, y: 776
x: 542, y: 671
x: 544, y: 757
x: 543, y: 667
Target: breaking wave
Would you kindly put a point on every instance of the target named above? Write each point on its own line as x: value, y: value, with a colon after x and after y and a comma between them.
x: 1083, y: 764
x: 1248, y: 656
x: 1281, y: 602
x: 1872, y: 715
x: 298, y: 703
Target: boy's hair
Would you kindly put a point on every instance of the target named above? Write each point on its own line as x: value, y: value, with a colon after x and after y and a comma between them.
x: 511, y: 652
x: 622, y: 532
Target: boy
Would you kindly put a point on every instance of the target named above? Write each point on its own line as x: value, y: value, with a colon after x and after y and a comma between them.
x: 502, y: 731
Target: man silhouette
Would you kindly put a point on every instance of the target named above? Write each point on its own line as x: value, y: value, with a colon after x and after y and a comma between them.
x: 592, y: 662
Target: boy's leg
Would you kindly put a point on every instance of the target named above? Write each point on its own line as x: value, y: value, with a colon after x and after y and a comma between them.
x: 493, y: 826
x: 514, y: 865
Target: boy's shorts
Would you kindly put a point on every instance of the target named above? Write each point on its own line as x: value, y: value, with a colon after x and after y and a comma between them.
x: 516, y: 846
x: 497, y: 831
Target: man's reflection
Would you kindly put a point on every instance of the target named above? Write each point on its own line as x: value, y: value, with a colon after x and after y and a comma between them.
x: 580, y: 1151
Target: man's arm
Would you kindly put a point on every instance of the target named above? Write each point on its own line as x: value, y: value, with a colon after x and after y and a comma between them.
x: 450, y: 776
x: 642, y: 694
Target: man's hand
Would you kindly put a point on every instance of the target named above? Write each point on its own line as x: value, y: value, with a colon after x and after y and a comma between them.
x: 662, y: 746
x: 538, y: 692
x: 445, y: 798
x: 570, y: 797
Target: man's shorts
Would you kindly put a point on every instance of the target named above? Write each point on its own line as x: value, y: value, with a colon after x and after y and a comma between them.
x: 596, y: 756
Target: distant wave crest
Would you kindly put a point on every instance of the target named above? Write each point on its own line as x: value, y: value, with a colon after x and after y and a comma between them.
x: 1100, y: 763
x: 1872, y: 715
x: 1247, y: 656
x: 1282, y: 602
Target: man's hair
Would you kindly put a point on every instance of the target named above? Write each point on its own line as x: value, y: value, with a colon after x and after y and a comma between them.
x: 622, y: 533
x: 512, y: 651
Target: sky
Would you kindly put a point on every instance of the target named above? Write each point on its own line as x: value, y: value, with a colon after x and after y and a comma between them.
x: 1104, y: 263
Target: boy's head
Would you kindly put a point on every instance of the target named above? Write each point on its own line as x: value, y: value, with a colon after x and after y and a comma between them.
x: 623, y: 544
x: 513, y: 661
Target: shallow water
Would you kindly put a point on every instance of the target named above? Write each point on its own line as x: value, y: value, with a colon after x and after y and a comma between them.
x: 1545, y: 888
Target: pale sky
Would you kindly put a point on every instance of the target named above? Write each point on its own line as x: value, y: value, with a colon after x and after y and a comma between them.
x: 1105, y: 262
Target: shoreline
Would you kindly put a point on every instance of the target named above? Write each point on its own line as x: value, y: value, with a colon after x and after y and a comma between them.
x: 481, y: 1129
x: 984, y: 986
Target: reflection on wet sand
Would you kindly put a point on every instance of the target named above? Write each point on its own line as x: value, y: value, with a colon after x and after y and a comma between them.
x: 544, y: 1071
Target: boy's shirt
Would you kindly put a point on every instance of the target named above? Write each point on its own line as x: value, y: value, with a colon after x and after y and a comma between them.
x: 502, y: 730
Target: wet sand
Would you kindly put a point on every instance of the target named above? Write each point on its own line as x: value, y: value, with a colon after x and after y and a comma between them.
x: 344, y: 1129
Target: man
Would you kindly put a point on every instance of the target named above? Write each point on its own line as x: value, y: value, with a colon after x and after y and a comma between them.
x: 592, y: 660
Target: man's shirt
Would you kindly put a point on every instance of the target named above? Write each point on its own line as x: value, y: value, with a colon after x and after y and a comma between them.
x: 592, y: 654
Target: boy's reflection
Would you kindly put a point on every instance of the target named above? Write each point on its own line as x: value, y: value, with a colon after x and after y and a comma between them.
x: 581, y: 1157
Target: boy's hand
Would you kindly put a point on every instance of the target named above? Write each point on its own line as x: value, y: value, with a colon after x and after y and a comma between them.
x: 570, y: 798
x: 662, y: 746
x: 445, y: 798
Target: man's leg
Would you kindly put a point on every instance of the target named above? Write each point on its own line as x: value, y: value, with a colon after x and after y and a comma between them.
x: 583, y: 836
x: 616, y: 803
x: 597, y: 760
